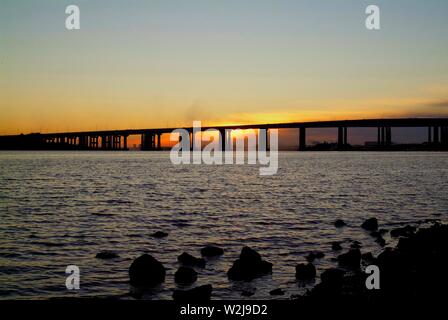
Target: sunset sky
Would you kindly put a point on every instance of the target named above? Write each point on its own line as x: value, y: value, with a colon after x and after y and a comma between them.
x: 148, y: 63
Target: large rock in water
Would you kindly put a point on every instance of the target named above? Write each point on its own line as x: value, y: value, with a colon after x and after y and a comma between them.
x: 315, y: 255
x: 305, y: 271
x: 339, y: 223
x: 336, y: 246
x: 406, y: 231
x: 332, y: 277
x: 185, y: 275
x: 249, y: 266
x: 106, y: 255
x: 146, y: 271
x: 202, y: 293
x: 370, y: 224
x: 351, y: 259
x: 188, y: 260
x: 211, y: 251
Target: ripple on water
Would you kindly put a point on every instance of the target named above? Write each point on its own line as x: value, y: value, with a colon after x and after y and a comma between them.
x: 62, y: 208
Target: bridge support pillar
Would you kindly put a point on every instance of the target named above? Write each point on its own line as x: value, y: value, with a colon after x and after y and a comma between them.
x: 436, y: 135
x: 116, y: 142
x: 342, y: 137
x: 83, y: 142
x: 148, y: 141
x: 444, y: 135
x: 159, y: 144
x: 222, y: 139
x: 94, y: 142
x: 103, y: 142
x: 388, y: 136
x: 345, y: 136
x: 125, y: 142
x: 302, y: 139
x: 429, y: 135
x: 268, y: 142
x: 384, y: 136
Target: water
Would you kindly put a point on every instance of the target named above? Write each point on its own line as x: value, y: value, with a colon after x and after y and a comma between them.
x: 61, y: 208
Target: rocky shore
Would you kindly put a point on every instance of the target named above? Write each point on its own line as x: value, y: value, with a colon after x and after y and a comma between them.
x: 416, y: 268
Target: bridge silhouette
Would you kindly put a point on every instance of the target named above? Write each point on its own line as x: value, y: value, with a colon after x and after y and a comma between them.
x: 151, y: 137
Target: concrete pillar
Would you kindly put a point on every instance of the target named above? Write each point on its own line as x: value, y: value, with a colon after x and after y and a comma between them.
x: 159, y: 145
x: 436, y: 135
x: 345, y: 137
x: 222, y: 139
x: 379, y: 137
x: 302, y: 138
x: 340, y: 137
x: 429, y: 135
x: 117, y: 142
x: 125, y: 142
x: 147, y: 141
x: 444, y: 135
x: 268, y: 142
x: 388, y: 136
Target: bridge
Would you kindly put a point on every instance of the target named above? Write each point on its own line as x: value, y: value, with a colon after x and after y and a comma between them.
x: 151, y: 138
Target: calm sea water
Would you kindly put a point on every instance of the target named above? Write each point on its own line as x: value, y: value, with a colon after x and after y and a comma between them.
x: 61, y: 208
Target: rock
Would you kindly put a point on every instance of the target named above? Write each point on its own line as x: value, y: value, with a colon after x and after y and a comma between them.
x: 339, y: 223
x: 277, y: 292
x: 146, y: 271
x: 332, y: 277
x: 406, y: 244
x: 211, y: 251
x: 185, y: 275
x: 310, y: 257
x: 389, y: 258
x: 315, y: 255
x: 159, y: 234
x: 336, y: 246
x: 249, y: 266
x: 406, y: 231
x: 380, y: 240
x: 411, y: 272
x: 250, y: 255
x: 355, y: 245
x: 188, y: 260
x: 351, y: 259
x: 106, y: 255
x: 201, y: 293
x: 305, y: 271
x: 370, y: 224
x: 368, y: 256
